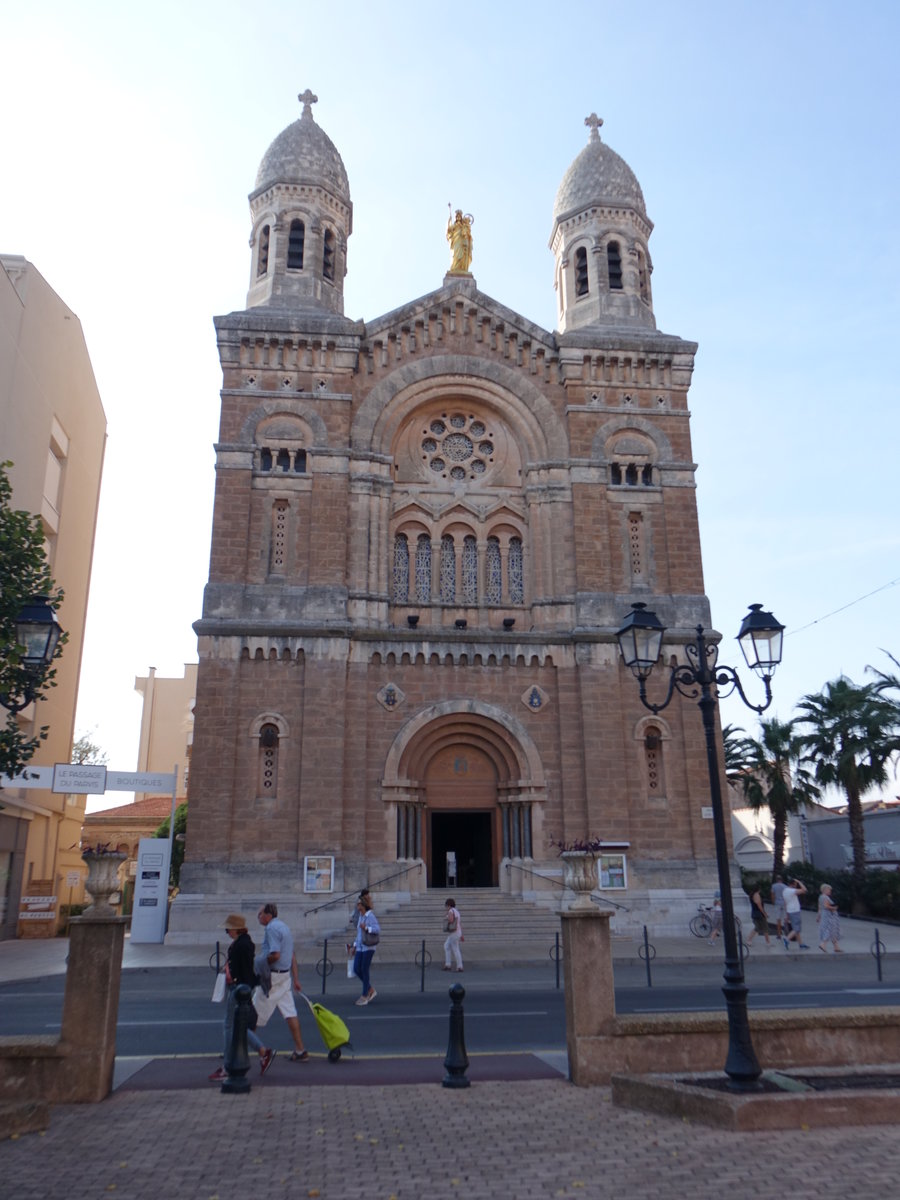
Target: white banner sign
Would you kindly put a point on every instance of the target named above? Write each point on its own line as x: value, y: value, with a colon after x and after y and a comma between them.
x: 87, y: 779
x: 31, y: 777
x: 139, y: 781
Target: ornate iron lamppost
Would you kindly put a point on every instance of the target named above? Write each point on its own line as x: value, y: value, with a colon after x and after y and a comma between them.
x: 701, y: 679
x: 38, y: 631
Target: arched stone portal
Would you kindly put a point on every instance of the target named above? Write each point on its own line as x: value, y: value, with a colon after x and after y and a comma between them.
x: 464, y: 777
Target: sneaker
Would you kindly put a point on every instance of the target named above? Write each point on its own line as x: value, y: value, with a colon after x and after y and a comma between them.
x: 371, y: 996
x: 266, y: 1061
x: 447, y: 968
x: 803, y: 946
x: 218, y: 1076
x: 300, y: 1056
x: 459, y: 970
x: 362, y: 1001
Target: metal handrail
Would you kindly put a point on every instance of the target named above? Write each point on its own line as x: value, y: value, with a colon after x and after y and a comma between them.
x: 556, y: 883
x: 346, y: 896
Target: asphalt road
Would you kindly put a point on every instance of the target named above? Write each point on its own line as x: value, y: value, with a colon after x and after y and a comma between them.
x: 169, y: 1012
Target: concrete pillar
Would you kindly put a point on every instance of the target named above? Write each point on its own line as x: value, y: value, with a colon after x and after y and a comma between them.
x: 590, y: 995
x: 91, y: 1007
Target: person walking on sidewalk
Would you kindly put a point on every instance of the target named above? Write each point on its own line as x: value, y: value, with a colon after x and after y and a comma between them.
x: 759, y: 916
x: 368, y: 932
x: 239, y: 969
x: 278, y: 956
x: 453, y: 930
x: 778, y: 901
x: 829, y: 921
x: 794, y: 919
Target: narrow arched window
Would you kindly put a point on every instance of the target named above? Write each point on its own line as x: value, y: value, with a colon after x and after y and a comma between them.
x: 516, y: 572
x: 647, y: 475
x: 328, y: 255
x: 494, y: 571
x: 299, y: 462
x: 284, y: 460
x: 268, y: 760
x: 296, y: 237
x: 401, y: 569
x: 278, y: 547
x: 636, y: 546
x: 631, y: 475
x: 423, y: 568
x: 448, y: 570
x: 615, y: 474
x: 653, y: 762
x: 581, y: 272
x: 262, y: 259
x: 643, y: 281
x: 470, y: 571
x: 265, y: 459
x: 614, y: 264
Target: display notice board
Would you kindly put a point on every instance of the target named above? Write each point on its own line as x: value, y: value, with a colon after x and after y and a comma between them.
x: 151, y: 891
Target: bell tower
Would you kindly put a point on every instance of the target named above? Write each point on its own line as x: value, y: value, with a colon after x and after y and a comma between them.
x: 302, y: 217
x: 599, y: 239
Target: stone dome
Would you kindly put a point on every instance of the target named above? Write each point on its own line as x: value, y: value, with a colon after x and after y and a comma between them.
x: 304, y: 153
x: 598, y: 176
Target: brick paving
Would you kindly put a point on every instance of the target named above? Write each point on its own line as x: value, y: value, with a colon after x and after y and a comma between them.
x: 522, y: 1141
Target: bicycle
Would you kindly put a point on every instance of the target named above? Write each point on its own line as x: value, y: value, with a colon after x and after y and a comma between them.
x: 703, y: 923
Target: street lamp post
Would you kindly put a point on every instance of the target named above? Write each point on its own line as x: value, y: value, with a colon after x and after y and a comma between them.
x: 38, y: 631
x: 701, y: 679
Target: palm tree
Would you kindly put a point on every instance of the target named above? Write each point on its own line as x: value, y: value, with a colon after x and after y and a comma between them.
x: 770, y: 773
x: 852, y: 732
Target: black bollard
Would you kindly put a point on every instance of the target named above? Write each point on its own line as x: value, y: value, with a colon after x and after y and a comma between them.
x: 240, y: 1008
x: 456, y: 1062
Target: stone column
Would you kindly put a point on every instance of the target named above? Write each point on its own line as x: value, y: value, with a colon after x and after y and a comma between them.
x: 91, y: 1007
x: 590, y: 995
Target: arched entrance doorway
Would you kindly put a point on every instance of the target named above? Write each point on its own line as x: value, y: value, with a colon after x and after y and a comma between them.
x: 462, y: 813
x: 463, y: 777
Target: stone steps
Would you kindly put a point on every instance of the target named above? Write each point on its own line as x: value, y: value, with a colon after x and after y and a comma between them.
x: 495, y: 926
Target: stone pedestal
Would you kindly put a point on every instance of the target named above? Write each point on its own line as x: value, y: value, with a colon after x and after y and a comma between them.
x: 590, y: 992
x: 91, y: 1007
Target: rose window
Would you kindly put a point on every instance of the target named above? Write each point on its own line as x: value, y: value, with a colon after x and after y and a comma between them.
x: 457, y: 446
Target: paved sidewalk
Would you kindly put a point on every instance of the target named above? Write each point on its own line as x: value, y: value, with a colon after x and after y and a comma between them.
x: 533, y: 1140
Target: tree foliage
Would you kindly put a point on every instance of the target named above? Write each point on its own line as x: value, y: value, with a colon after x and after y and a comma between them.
x: 24, y: 572
x: 771, y: 774
x: 177, y: 846
x: 851, y: 733
x: 86, y: 751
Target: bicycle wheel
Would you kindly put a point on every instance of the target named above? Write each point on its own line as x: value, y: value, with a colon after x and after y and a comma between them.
x: 700, y: 926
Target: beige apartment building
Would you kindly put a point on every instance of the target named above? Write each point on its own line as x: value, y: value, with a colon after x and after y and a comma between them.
x: 53, y: 429
x: 167, y: 723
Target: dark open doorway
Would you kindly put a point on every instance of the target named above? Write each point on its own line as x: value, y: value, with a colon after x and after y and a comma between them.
x: 469, y: 835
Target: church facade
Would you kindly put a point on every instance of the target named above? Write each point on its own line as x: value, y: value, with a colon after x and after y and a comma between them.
x: 427, y: 529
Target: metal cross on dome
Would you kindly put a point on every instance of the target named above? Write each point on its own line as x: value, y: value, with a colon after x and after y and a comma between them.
x: 307, y: 99
x: 594, y: 122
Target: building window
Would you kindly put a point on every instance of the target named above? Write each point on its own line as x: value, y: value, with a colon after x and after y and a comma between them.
x: 516, y: 572
x: 295, y: 246
x: 470, y: 570
x: 494, y: 571
x: 271, y: 458
x: 631, y: 474
x: 401, y: 569
x: 262, y: 261
x: 612, y: 871
x: 423, y: 568
x: 268, y: 760
x: 643, y: 281
x: 614, y: 264
x: 328, y: 255
x: 448, y: 570
x: 581, y: 272
x: 653, y: 761
x: 636, y: 546
x: 278, y: 548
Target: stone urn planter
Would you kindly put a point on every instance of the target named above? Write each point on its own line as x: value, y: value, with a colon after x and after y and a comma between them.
x: 102, y: 881
x: 580, y: 875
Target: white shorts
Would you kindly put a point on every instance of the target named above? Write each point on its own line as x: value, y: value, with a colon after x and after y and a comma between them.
x: 280, y: 996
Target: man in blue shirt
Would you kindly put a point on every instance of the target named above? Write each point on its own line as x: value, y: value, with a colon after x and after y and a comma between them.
x: 278, y: 949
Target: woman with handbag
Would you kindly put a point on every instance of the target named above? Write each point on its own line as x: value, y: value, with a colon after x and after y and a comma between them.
x: 239, y: 969
x: 368, y: 933
x: 453, y: 930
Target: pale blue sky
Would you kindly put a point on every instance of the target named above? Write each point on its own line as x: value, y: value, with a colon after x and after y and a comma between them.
x: 763, y: 135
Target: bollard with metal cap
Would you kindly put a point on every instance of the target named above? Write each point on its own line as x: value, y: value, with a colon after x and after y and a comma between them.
x: 457, y: 1061
x: 237, y: 1063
